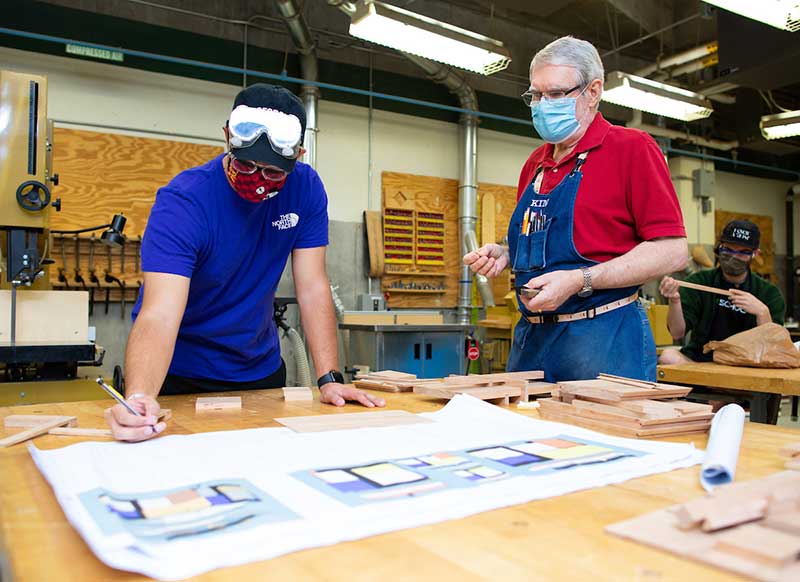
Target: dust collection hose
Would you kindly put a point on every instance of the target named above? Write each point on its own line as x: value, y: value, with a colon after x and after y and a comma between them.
x: 484, y: 288
x: 300, y: 358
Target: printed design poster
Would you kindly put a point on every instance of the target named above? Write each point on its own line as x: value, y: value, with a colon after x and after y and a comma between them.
x: 415, y: 476
x: 179, y: 506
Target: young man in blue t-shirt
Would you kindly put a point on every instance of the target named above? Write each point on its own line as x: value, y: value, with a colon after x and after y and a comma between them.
x: 216, y: 244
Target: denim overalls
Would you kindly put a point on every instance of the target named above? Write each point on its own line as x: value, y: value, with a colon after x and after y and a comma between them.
x: 617, y: 342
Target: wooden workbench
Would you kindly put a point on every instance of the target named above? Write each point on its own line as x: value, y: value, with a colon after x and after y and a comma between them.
x: 553, y: 539
x: 767, y: 384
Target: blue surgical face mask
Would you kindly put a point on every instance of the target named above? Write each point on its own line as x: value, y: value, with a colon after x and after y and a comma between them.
x: 555, y: 119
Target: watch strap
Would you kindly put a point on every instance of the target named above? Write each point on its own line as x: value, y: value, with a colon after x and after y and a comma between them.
x: 332, y: 376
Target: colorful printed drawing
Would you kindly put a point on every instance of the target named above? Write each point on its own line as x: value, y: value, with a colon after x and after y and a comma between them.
x: 178, y: 513
x: 456, y: 469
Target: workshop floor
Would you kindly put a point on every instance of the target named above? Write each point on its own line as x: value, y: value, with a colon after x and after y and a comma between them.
x: 784, y: 417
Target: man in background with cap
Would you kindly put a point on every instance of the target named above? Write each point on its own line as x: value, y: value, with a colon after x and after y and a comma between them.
x: 217, y: 241
x: 709, y: 317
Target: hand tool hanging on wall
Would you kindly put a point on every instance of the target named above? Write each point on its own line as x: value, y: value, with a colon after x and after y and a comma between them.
x: 92, y: 276
x: 78, y: 277
x: 62, y: 270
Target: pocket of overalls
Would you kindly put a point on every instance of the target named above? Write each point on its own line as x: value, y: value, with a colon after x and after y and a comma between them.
x: 531, y: 250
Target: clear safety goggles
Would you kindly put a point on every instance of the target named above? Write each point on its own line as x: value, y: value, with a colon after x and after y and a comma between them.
x: 283, y: 131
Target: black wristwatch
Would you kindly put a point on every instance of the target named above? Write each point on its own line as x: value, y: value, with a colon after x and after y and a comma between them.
x: 332, y: 376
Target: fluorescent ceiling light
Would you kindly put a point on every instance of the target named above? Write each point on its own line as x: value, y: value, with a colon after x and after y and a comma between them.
x: 419, y: 35
x: 654, y: 97
x: 783, y: 14
x: 780, y: 125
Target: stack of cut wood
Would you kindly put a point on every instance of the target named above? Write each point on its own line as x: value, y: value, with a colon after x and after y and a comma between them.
x: 751, y: 528
x: 498, y: 388
x: 625, y: 406
x: 390, y: 381
x: 530, y: 383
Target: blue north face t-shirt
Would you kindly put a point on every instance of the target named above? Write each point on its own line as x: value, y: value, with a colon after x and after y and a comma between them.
x: 234, y: 252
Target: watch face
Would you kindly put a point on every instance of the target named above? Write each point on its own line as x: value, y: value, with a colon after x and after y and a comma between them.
x: 584, y: 293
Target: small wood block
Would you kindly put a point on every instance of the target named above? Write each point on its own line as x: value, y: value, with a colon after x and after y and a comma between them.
x: 38, y: 430
x: 297, y: 394
x: 31, y: 420
x: 81, y: 432
x: 790, y: 450
x: 785, y: 522
x: 761, y: 544
x: 352, y: 420
x: 214, y: 403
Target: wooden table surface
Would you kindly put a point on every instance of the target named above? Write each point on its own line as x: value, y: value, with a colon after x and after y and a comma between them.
x: 553, y: 539
x: 772, y: 380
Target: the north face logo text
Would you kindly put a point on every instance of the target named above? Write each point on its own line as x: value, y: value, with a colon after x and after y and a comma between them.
x: 286, y: 221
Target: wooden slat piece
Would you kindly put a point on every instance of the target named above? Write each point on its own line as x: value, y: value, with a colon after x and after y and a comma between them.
x: 218, y: 403
x: 31, y: 420
x: 761, y: 544
x: 352, y: 420
x: 35, y: 431
x: 298, y: 394
x: 81, y: 432
x: 705, y: 288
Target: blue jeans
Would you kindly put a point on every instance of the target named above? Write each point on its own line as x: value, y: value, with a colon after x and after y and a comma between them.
x: 619, y: 342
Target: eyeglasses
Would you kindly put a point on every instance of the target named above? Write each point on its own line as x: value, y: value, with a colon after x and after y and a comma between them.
x: 730, y: 251
x: 530, y: 96
x: 248, y: 167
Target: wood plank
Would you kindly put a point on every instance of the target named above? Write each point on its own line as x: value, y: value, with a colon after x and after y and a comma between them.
x: 448, y: 391
x: 705, y: 288
x: 382, y: 386
x: 761, y: 544
x: 374, y: 231
x: 31, y: 420
x: 81, y: 432
x: 298, y: 394
x: 214, y: 403
x: 35, y: 431
x: 351, y: 420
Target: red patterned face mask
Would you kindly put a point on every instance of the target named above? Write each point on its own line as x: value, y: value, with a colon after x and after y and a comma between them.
x: 254, y: 187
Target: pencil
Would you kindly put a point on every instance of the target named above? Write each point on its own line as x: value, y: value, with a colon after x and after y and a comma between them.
x: 117, y: 396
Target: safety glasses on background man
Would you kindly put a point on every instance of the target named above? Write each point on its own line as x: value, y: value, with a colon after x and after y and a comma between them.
x: 284, y: 132
x: 247, y: 167
x: 730, y: 251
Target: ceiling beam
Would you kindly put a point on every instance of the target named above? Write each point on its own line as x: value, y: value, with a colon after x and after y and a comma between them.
x: 650, y: 14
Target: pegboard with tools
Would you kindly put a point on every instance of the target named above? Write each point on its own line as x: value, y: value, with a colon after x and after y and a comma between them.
x: 110, y: 275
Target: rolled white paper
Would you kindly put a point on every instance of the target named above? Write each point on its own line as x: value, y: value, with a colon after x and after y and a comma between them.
x: 722, y: 452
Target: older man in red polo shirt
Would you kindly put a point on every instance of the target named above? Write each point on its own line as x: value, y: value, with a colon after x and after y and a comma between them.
x: 596, y: 217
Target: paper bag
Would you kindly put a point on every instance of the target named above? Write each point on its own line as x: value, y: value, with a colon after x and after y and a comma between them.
x: 765, y: 346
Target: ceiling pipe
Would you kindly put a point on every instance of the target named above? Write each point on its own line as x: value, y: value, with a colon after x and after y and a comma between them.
x: 309, y: 69
x: 693, y: 54
x: 716, y: 144
x: 468, y: 175
x: 690, y: 67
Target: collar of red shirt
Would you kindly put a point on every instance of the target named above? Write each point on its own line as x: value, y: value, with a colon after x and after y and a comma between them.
x: 594, y: 136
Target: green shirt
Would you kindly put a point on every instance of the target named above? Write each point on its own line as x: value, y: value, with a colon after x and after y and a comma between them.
x: 711, y: 317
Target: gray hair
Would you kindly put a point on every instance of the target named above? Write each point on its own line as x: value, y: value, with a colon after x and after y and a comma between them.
x: 572, y: 52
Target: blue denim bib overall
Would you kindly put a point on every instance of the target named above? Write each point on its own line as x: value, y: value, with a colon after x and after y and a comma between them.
x: 617, y: 342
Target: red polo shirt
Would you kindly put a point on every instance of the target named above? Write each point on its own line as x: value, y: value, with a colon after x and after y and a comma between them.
x: 626, y: 195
